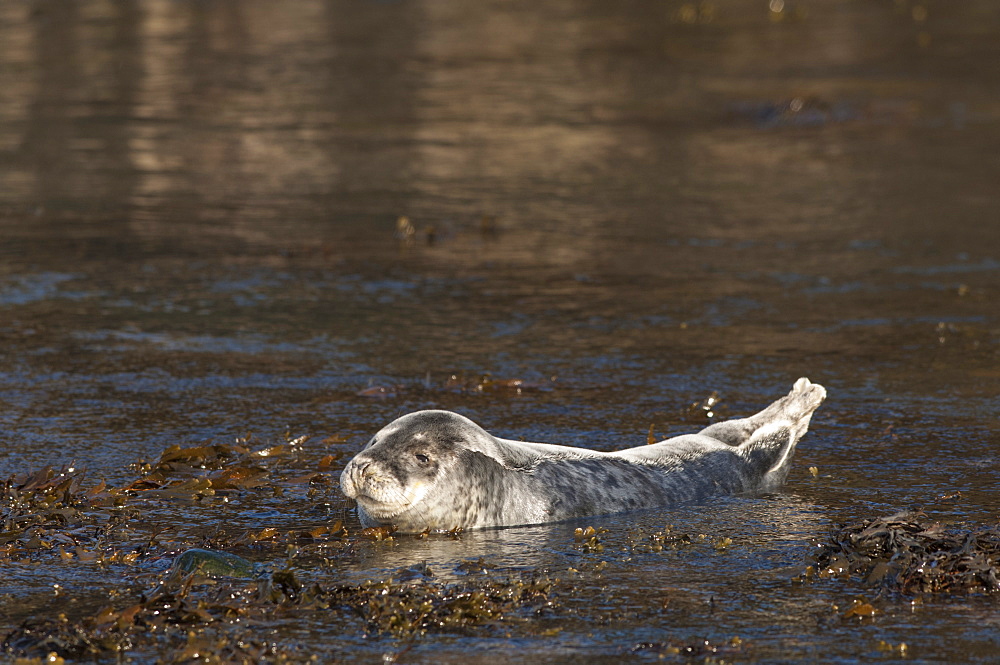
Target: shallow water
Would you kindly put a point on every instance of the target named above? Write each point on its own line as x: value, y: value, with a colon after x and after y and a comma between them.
x: 630, y: 206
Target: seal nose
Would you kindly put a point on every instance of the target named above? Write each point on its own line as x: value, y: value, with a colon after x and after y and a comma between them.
x: 352, y: 477
x: 356, y: 475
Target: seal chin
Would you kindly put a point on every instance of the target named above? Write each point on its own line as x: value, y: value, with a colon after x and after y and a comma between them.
x: 407, y: 520
x: 376, y: 515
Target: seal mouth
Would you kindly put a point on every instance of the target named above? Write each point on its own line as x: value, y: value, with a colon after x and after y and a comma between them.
x: 373, y: 504
x: 386, y: 502
x: 379, y: 511
x: 381, y: 500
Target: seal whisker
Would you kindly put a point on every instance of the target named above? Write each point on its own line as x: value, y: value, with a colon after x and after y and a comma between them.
x: 411, y: 506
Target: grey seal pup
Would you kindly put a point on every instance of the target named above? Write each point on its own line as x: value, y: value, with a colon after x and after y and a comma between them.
x: 438, y: 470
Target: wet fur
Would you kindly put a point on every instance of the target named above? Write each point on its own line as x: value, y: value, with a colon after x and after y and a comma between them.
x: 439, y: 470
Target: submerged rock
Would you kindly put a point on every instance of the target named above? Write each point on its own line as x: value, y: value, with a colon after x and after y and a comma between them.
x: 215, y: 564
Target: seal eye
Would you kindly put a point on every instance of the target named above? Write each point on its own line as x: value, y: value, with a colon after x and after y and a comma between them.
x: 423, y: 459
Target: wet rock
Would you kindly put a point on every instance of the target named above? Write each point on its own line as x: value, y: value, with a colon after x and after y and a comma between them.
x: 215, y: 564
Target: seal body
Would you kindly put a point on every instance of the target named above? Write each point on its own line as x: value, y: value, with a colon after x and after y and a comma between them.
x: 439, y: 470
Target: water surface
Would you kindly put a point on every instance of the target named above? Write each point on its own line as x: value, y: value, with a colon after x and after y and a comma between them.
x: 631, y: 206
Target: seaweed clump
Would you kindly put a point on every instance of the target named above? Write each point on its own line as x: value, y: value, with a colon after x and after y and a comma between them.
x: 186, y: 606
x: 417, y: 607
x: 48, y: 511
x: 54, y: 517
x: 910, y: 554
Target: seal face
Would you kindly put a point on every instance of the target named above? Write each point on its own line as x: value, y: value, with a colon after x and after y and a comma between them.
x: 404, y: 462
x: 439, y: 470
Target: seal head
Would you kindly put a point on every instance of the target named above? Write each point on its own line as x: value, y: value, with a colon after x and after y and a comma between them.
x: 408, y: 474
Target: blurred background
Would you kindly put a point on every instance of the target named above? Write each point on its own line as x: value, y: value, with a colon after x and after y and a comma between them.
x: 569, y: 220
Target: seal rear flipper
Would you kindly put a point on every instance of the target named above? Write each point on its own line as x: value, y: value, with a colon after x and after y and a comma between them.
x: 794, y: 409
x: 767, y: 439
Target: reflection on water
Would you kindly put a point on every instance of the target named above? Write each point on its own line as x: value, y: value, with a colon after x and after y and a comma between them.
x: 636, y: 204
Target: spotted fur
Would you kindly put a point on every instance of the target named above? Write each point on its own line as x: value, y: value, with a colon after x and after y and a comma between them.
x: 439, y: 470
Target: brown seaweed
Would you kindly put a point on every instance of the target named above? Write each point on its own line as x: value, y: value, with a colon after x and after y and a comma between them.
x: 910, y: 554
